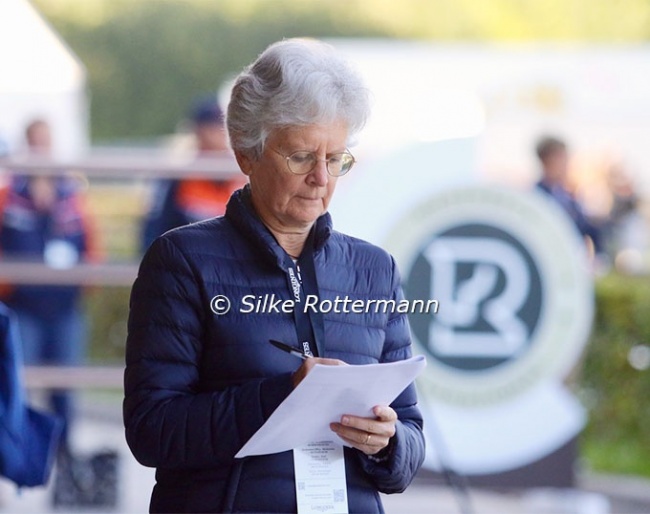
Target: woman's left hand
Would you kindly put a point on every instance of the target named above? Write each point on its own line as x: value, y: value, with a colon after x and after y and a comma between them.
x: 370, y: 435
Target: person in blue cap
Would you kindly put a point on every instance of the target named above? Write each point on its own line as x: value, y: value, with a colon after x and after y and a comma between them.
x: 187, y: 200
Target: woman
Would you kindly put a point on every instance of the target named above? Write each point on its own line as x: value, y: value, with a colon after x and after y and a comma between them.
x: 201, y: 381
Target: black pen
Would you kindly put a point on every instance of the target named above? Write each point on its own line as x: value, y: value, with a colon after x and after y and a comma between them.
x: 289, y: 349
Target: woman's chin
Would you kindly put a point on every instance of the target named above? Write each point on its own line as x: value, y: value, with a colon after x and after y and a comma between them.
x: 307, y: 217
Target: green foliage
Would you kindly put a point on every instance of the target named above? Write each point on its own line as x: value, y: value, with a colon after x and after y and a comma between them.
x: 107, y: 310
x: 147, y: 61
x: 617, y: 438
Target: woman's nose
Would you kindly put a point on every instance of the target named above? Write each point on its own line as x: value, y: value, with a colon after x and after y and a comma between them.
x: 319, y: 175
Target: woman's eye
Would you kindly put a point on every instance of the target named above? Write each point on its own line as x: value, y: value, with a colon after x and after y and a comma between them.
x: 302, y: 157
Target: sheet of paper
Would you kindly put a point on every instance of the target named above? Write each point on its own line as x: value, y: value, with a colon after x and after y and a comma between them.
x: 323, y: 396
x: 320, y: 478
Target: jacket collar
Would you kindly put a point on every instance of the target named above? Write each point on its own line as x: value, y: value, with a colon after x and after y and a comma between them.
x: 242, y: 215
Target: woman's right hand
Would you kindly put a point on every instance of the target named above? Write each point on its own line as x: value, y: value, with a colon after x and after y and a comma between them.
x: 307, y: 366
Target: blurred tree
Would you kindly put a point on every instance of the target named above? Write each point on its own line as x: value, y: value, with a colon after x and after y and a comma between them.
x: 146, y: 62
x: 148, y: 58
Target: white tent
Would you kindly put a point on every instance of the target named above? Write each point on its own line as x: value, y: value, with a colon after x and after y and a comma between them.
x: 40, y: 78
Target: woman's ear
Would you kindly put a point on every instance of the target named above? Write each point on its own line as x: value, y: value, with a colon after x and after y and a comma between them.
x: 245, y: 163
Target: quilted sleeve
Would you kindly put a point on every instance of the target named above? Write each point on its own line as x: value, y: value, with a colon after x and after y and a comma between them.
x: 405, y: 453
x: 169, y: 422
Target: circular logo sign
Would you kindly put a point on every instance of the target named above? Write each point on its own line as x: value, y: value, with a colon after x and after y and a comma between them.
x: 515, y: 297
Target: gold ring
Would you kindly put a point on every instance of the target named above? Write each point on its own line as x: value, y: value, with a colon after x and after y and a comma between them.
x: 367, y: 439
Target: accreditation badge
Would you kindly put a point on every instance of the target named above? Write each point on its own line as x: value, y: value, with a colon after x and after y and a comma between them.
x: 60, y: 254
x: 320, y: 478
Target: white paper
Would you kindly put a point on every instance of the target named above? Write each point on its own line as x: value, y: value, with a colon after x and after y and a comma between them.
x: 323, y: 396
x: 320, y: 478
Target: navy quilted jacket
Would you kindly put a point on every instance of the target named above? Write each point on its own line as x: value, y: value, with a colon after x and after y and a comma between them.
x: 199, y: 385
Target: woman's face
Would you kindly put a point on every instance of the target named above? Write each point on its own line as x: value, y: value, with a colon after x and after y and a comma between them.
x: 285, y: 200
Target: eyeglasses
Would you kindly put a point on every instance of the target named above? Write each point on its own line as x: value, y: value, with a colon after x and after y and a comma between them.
x: 303, y: 162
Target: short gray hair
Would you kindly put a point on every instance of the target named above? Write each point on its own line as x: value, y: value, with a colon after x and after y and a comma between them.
x: 294, y: 82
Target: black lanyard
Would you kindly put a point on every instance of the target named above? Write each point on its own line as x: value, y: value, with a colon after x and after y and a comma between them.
x: 301, y: 277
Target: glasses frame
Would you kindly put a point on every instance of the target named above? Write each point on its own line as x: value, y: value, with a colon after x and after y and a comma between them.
x: 316, y: 161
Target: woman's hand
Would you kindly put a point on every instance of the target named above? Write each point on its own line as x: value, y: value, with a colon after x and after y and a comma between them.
x: 308, y: 364
x: 370, y: 435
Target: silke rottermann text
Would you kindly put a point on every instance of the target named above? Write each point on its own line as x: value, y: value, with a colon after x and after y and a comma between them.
x: 270, y: 304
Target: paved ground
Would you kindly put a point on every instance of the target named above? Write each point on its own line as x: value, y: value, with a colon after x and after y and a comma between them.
x: 100, y: 428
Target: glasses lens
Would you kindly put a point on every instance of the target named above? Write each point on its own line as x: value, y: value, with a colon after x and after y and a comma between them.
x: 301, y: 163
x: 340, y: 163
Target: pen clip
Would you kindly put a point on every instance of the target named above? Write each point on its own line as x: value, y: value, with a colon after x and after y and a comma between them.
x: 289, y: 349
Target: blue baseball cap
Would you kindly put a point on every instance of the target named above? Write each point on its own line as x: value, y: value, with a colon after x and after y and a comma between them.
x: 206, y: 111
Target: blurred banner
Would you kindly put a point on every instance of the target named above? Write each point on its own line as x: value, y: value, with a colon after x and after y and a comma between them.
x: 515, y: 308
x: 509, y: 271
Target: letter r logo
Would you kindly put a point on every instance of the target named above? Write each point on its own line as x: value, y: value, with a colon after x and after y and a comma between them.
x: 489, y: 292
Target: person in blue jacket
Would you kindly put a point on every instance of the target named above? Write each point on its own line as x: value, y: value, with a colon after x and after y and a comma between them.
x: 554, y: 158
x: 44, y: 219
x: 190, y: 199
x: 201, y: 377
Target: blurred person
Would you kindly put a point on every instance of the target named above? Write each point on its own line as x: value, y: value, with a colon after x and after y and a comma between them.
x: 554, y: 159
x: 4, y: 147
x: 187, y: 200
x: 198, y: 385
x: 4, y: 153
x: 625, y: 201
x: 626, y: 229
x: 42, y: 219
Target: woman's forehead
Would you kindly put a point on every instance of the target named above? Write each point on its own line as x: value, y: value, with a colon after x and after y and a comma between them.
x: 316, y: 135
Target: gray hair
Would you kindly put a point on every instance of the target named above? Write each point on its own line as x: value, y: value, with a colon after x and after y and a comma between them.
x: 295, y: 82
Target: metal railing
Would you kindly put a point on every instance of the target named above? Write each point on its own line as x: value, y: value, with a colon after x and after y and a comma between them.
x: 24, y: 273
x: 221, y: 165
x: 73, y: 377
